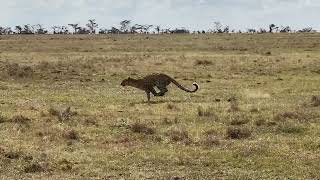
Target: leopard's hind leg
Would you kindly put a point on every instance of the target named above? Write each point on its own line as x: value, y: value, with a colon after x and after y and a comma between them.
x: 163, y: 90
x: 154, y: 92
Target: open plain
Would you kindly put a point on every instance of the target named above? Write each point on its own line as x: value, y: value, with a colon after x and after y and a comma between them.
x: 64, y: 115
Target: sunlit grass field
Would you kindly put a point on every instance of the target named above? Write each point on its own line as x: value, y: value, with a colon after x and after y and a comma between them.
x: 64, y: 115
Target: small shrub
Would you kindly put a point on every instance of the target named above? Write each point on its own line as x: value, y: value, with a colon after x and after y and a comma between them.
x: 141, y: 128
x: 44, y: 65
x: 271, y: 123
x: 210, y: 138
x: 21, y: 122
x: 172, y: 107
x: 239, y: 120
x: 210, y: 132
x: 286, y: 115
x: 71, y: 135
x: 12, y: 155
x: 65, y: 165
x: 20, y: 119
x: 260, y: 122
x: 177, y: 178
x: 254, y: 110
x: 28, y: 158
x: 180, y: 136
x: 203, y: 62
x: 67, y: 114
x: 2, y: 118
x: 234, y: 106
x: 301, y: 115
x: 168, y: 121
x: 62, y: 115
x: 53, y: 112
x: 90, y: 122
x: 33, y: 168
x: 315, y: 101
x: 18, y: 71
x: 207, y: 113
x: 238, y: 133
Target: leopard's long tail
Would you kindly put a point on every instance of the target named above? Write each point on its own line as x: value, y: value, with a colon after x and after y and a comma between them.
x: 185, y: 89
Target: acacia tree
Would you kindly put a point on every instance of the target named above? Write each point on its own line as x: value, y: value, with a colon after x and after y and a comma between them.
x: 75, y: 27
x: 272, y: 27
x: 114, y: 30
x: 146, y: 27
x: 125, y: 26
x: 180, y: 31
x: 226, y: 29
x: 306, y: 30
x: 64, y: 30
x: 5, y: 30
x: 251, y: 30
x: 135, y: 28
x: 92, y: 25
x: 103, y: 31
x: 2, y: 30
x: 56, y: 29
x: 28, y: 29
x: 166, y: 31
x: 218, y: 27
x: 157, y: 28
x: 285, y: 29
x: 83, y: 30
x: 39, y: 29
x: 18, y: 29
x: 261, y: 31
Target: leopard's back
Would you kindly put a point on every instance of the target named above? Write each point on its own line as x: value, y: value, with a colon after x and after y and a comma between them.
x: 157, y: 80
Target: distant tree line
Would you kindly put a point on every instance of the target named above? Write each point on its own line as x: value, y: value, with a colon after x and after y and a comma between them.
x: 127, y: 27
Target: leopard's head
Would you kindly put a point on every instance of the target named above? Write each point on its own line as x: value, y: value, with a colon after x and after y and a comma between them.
x: 126, y: 81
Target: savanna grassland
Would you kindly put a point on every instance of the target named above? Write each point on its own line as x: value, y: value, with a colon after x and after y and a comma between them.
x: 64, y: 115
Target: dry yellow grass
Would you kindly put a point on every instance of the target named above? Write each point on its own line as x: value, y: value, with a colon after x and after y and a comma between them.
x: 269, y: 129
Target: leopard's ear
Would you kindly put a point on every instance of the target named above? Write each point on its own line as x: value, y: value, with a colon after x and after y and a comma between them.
x: 129, y: 78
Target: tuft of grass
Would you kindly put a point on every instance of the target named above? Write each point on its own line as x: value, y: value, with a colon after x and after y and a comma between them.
x: 268, y: 53
x: 90, y: 122
x: 239, y: 120
x: 260, y: 122
x: 180, y: 136
x: 234, y: 105
x: 141, y: 128
x: 172, y: 107
x: 21, y: 122
x: 12, y: 155
x: 65, y: 165
x: 301, y: 115
x: 20, y: 119
x: 209, y: 112
x: 34, y: 168
x: 62, y: 115
x: 238, y: 132
x: 18, y: 71
x: 168, y: 121
x: 3, y: 119
x: 254, y: 110
x: 203, y: 62
x: 71, y: 135
x: 315, y: 101
x: 290, y: 128
x: 210, y: 138
x: 286, y: 115
x: 52, y: 111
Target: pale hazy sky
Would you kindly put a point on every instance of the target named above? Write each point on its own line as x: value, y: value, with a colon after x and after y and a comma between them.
x: 192, y: 14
